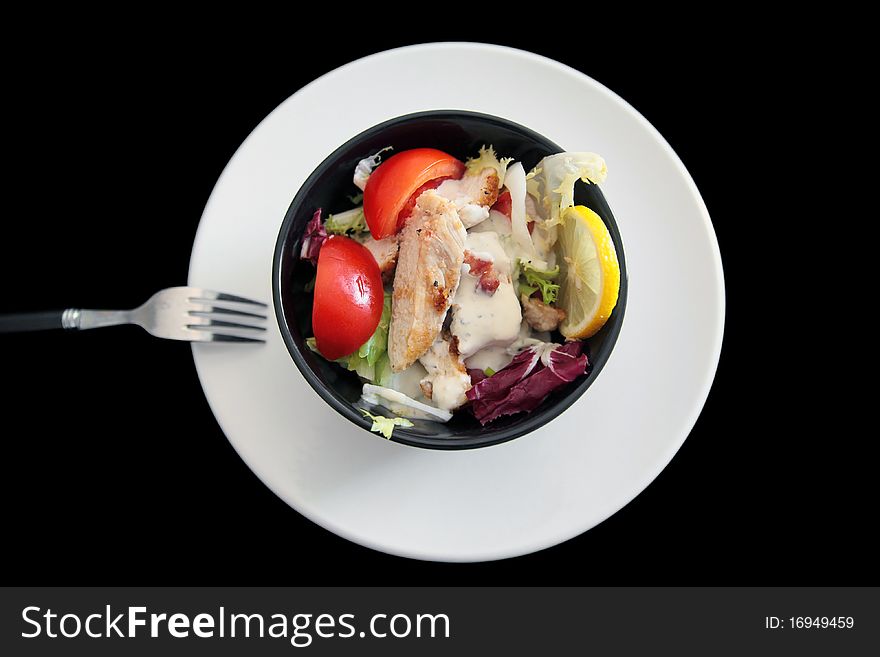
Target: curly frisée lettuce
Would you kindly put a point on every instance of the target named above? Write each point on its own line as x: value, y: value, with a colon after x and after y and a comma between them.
x: 346, y: 223
x: 370, y: 361
x: 487, y: 159
x: 539, y: 279
x: 551, y: 183
x: 385, y: 425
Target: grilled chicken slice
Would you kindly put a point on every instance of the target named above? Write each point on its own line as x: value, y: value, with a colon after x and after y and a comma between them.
x: 539, y: 315
x: 472, y: 195
x: 447, y: 380
x: 427, y: 275
x: 384, y: 251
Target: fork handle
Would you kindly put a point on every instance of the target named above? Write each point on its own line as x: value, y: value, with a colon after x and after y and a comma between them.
x: 72, y: 318
x: 38, y: 321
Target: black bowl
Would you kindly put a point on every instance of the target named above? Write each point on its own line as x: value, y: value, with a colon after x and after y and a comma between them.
x: 461, y: 134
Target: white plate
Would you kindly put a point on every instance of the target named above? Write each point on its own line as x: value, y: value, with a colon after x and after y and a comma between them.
x: 535, y: 491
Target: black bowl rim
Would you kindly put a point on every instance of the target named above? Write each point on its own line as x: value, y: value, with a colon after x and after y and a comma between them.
x: 530, y: 421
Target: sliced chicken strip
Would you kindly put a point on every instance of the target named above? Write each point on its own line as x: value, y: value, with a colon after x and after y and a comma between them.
x: 428, y: 271
x: 447, y: 380
x: 539, y: 315
x: 472, y: 195
x: 384, y: 251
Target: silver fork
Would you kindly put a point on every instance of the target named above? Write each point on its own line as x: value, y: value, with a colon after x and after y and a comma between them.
x: 176, y: 313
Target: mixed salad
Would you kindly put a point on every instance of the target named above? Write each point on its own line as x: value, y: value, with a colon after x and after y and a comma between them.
x: 443, y: 286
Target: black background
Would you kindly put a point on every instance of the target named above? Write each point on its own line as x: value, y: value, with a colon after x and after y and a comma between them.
x: 114, y: 469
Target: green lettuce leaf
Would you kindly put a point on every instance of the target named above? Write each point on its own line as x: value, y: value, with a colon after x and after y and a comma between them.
x: 539, y: 279
x: 383, y: 372
x: 385, y: 425
x: 368, y: 361
x: 372, y: 349
x: 345, y: 223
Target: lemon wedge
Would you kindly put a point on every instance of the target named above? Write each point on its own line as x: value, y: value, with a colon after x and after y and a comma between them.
x: 589, y: 280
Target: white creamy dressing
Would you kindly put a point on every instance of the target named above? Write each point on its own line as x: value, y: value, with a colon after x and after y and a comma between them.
x: 472, y: 214
x: 495, y: 357
x: 499, y: 356
x: 407, y: 381
x: 496, y: 222
x: 478, y: 318
x: 448, y: 383
x: 528, y: 337
x: 479, y: 255
x: 461, y: 193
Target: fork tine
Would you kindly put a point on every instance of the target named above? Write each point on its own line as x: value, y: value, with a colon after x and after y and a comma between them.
x: 208, y: 295
x: 223, y: 337
x: 219, y: 322
x: 221, y: 296
x: 217, y: 310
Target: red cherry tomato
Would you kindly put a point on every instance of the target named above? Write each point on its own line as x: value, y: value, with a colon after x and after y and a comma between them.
x: 503, y: 204
x: 410, y: 205
x: 348, y: 297
x: 393, y: 183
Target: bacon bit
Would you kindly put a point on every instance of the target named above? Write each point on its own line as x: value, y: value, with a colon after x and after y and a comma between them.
x: 484, y: 270
x: 489, y: 285
x: 478, y: 265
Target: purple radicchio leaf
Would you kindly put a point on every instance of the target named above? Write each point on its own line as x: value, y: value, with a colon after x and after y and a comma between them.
x: 313, y: 238
x: 556, y: 367
x: 568, y: 361
x: 499, y: 383
x: 476, y: 375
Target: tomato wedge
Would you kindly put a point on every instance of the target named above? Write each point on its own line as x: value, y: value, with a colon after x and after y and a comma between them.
x: 348, y: 297
x: 503, y: 204
x: 393, y: 183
